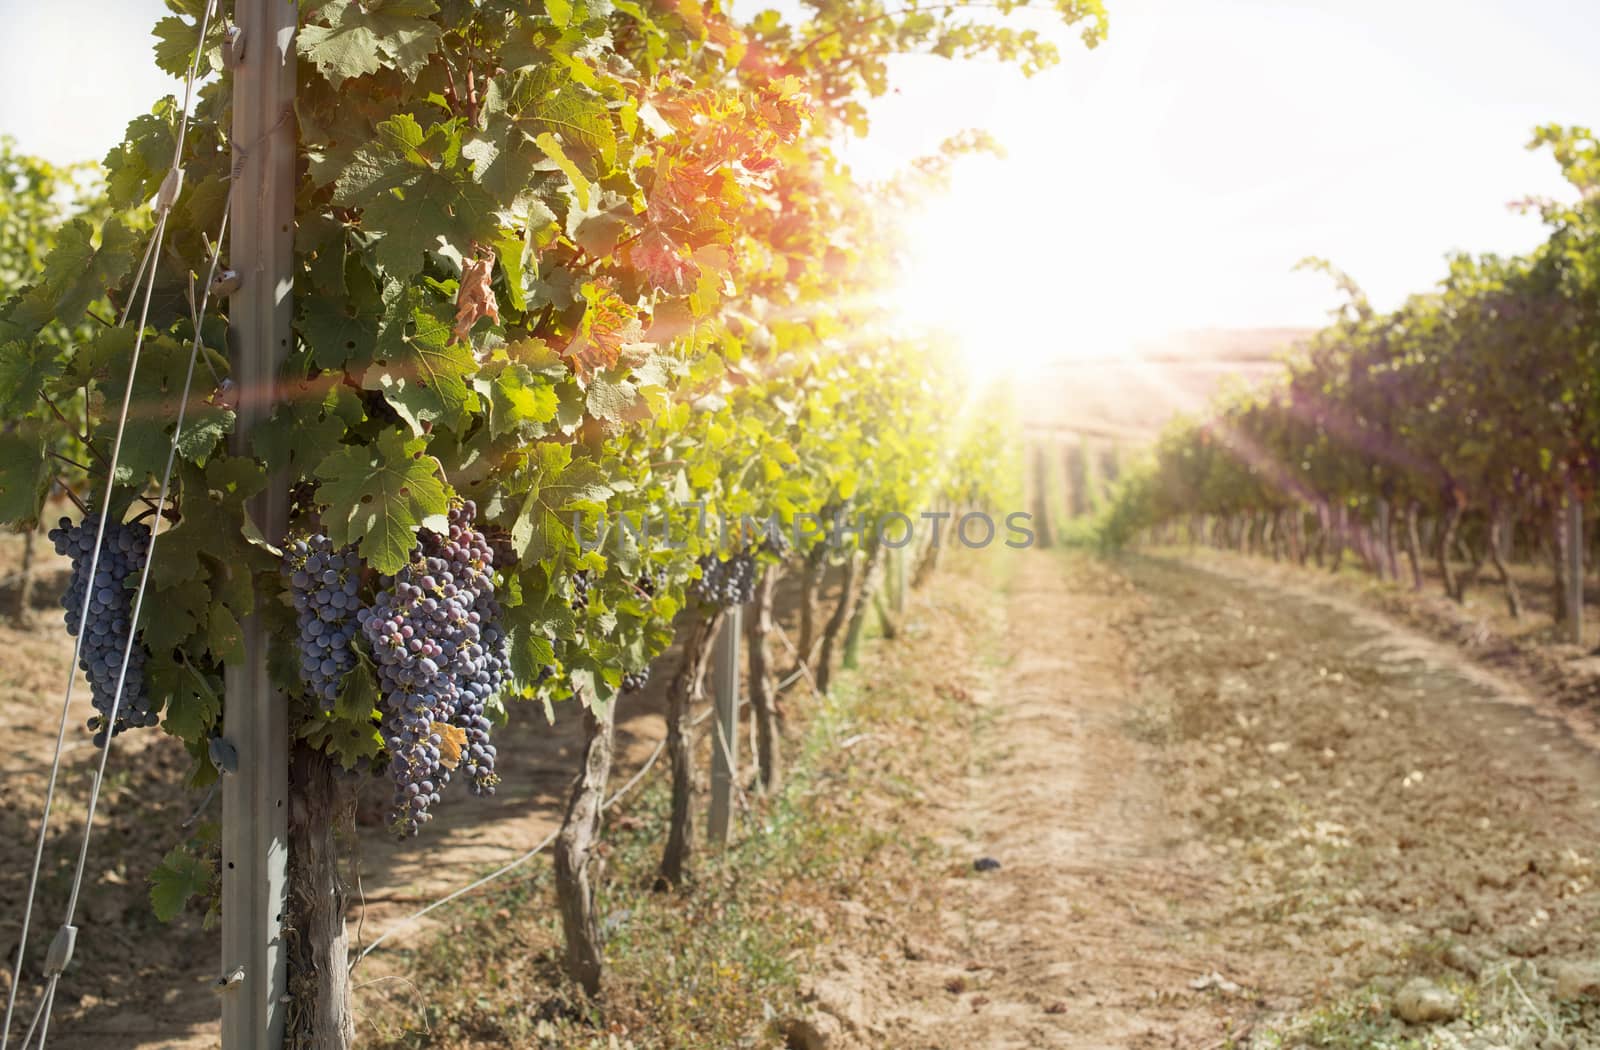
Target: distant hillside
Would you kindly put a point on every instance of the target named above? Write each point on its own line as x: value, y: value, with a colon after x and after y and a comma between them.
x: 1129, y: 399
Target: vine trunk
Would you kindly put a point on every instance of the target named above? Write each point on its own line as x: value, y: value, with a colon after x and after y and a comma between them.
x: 321, y: 807
x: 685, y: 686
x: 578, y: 864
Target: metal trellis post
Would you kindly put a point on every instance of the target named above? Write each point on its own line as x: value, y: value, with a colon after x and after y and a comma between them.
x: 255, y: 799
x: 725, y: 726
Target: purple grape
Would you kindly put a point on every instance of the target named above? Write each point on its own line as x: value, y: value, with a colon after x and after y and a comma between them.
x: 441, y: 657
x: 110, y: 612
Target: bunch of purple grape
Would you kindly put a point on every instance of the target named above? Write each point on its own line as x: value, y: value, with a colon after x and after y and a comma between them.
x: 488, y: 676
x: 776, y: 541
x: 650, y: 581
x: 325, y: 585
x: 110, y: 619
x: 726, y: 582
x: 441, y: 656
x: 582, y: 580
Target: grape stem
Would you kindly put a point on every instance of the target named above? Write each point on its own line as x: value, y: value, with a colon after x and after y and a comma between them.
x: 84, y: 438
x: 88, y: 444
x: 201, y: 808
x: 70, y: 461
x: 73, y: 496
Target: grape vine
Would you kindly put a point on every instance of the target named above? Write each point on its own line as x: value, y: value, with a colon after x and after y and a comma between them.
x: 551, y: 261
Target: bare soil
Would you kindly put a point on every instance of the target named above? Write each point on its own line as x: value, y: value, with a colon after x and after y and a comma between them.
x: 1232, y: 812
x: 1071, y: 940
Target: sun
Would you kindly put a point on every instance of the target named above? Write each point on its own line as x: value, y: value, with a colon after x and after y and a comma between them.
x: 1016, y: 295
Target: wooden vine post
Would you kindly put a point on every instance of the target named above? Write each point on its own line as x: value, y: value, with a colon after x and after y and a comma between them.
x: 1574, y: 552
x: 897, y: 603
x: 255, y: 716
x: 862, y: 602
x: 835, y: 626
x: 1041, y: 498
x: 725, y: 727
x: 763, y: 692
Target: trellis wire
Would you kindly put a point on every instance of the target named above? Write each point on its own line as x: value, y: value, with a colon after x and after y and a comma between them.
x: 170, y: 188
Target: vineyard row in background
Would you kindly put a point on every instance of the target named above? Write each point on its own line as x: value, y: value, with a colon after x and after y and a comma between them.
x: 1458, y: 433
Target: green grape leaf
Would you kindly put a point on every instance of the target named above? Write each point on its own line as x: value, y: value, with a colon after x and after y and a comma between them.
x: 539, y: 356
x: 519, y: 397
x: 191, y: 701
x: 581, y: 187
x: 135, y: 168
x: 421, y: 371
x: 347, y: 733
x: 612, y: 401
x: 358, y: 693
x: 308, y: 425
x: 174, y: 47
x: 379, y: 495
x: 359, y: 37
x: 558, y: 485
x: 172, y: 616
x: 416, y: 190
x: 347, y: 742
x: 181, y: 875
x: 597, y: 233
x: 212, y: 524
x: 224, y: 636
x: 341, y: 52
x: 530, y: 626
x: 434, y: 209
x: 25, y: 369
x: 24, y: 475
x: 323, y: 242
x: 512, y: 251
x: 544, y: 100
x: 504, y: 163
x: 340, y: 328
x: 77, y: 273
x: 393, y: 159
x: 152, y: 418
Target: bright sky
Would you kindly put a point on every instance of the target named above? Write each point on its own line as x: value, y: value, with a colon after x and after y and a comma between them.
x: 1169, y: 180
x: 1172, y: 178
x: 76, y: 71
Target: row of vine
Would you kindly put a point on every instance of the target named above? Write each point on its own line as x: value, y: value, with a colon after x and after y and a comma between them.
x: 563, y: 271
x: 1455, y: 428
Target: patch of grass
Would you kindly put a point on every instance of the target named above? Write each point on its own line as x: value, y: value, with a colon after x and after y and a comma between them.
x: 1357, y: 1022
x: 1507, y: 1006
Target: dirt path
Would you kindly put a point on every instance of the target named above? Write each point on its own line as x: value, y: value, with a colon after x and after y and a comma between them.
x: 1235, y: 815
x: 1060, y: 944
